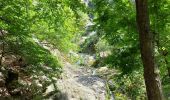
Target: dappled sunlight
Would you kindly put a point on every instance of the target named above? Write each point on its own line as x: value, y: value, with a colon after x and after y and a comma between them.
x: 84, y: 50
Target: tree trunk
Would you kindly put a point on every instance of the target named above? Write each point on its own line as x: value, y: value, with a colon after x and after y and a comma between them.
x: 151, y: 72
x: 2, y: 51
x: 2, y: 54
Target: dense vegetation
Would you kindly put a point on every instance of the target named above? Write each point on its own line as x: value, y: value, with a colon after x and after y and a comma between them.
x: 133, y: 35
x: 26, y: 24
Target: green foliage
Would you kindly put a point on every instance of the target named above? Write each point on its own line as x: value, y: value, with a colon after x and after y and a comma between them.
x: 166, y: 85
x: 129, y: 86
x: 166, y: 89
x: 103, y: 45
x: 89, y: 45
x: 127, y: 59
x: 57, y: 22
x: 61, y: 23
x: 115, y: 20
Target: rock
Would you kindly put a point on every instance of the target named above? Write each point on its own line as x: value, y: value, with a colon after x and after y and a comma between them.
x: 49, y: 89
x: 44, y: 78
x: 91, y: 60
x: 12, y: 76
x: 25, y: 83
x: 15, y: 92
x: 11, y: 80
x: 4, y: 92
x: 111, y: 85
x: 1, y: 75
x: 37, y: 82
x: 104, y: 53
x: 2, y: 83
x: 34, y: 76
x: 54, y: 78
x: 102, y: 70
x: 8, y: 59
x: 3, y: 68
x: 13, y: 60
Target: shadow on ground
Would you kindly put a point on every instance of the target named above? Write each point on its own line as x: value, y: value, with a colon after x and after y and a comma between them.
x: 57, y: 95
x: 89, y: 80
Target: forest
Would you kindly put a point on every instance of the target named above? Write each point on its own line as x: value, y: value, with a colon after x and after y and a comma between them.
x: 84, y: 49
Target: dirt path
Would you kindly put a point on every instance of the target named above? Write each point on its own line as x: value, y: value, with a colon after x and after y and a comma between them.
x: 79, y: 84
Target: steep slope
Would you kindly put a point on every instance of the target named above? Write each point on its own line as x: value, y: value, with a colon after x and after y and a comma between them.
x: 78, y: 83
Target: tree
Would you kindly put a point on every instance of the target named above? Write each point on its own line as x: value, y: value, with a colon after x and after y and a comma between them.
x: 151, y: 72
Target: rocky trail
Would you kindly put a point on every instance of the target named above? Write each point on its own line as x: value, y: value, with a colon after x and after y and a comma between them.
x: 78, y: 82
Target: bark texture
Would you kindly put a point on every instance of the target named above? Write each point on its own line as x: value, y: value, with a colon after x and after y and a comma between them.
x: 151, y: 72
